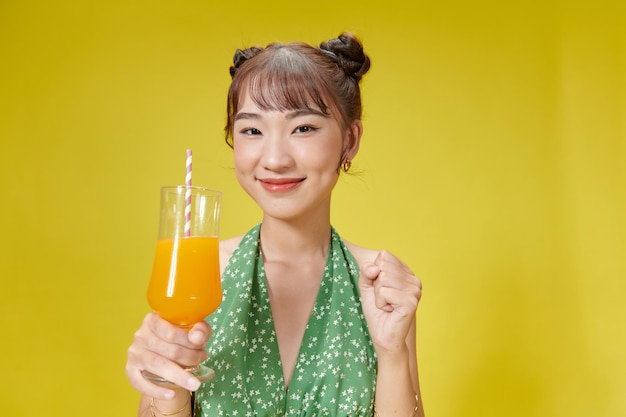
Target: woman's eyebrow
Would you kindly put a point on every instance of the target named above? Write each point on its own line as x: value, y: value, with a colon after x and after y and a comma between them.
x: 305, y: 112
x: 241, y: 115
x: 290, y: 115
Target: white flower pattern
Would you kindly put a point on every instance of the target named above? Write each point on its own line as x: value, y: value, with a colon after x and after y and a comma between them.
x: 335, y: 373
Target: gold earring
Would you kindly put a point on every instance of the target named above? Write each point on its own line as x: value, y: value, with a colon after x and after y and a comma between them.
x: 346, y: 165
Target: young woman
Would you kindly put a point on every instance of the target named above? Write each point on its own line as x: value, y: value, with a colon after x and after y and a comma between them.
x: 310, y: 325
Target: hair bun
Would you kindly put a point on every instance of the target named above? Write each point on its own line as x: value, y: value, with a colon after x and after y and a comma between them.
x: 241, y: 56
x: 347, y: 52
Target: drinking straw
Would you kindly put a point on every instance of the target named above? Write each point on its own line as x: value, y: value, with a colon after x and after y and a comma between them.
x: 188, y: 194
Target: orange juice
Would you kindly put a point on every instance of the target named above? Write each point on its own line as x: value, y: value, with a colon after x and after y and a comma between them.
x: 185, y: 285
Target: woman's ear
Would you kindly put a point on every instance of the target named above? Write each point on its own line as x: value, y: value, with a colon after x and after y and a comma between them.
x: 353, y: 140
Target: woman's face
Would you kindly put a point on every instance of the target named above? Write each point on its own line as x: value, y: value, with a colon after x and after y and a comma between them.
x: 287, y: 161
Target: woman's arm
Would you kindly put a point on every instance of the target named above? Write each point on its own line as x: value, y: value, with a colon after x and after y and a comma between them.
x: 390, y: 294
x: 397, y: 387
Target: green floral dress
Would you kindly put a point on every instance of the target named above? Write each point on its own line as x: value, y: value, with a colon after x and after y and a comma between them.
x: 335, y: 373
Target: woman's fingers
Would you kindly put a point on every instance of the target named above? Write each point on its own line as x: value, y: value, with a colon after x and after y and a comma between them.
x: 394, y: 283
x: 198, y: 335
x: 398, y: 300
x: 173, y: 342
x: 157, y: 366
x: 164, y: 349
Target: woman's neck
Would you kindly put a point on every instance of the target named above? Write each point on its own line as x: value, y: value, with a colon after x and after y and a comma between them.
x: 288, y: 241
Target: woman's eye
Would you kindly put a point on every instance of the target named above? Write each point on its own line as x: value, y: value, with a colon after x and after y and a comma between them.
x: 251, y: 131
x: 304, y: 129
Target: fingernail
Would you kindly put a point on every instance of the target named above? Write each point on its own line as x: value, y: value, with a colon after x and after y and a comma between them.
x: 193, y: 384
x: 196, y: 337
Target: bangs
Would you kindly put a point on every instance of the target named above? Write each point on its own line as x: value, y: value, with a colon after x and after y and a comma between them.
x: 287, y: 82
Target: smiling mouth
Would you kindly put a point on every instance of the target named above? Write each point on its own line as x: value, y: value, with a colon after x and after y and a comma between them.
x: 280, y: 185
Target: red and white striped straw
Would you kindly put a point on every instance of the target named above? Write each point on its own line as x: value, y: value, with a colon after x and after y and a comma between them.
x: 188, y: 194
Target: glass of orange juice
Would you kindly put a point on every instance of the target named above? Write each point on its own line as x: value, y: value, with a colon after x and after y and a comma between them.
x: 185, y: 285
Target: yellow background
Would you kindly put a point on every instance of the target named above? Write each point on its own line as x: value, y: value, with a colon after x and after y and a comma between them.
x: 493, y: 162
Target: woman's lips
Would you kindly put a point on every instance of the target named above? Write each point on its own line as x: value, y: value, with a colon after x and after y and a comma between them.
x: 280, y: 185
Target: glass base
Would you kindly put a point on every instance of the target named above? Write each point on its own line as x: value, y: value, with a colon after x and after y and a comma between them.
x: 203, y: 373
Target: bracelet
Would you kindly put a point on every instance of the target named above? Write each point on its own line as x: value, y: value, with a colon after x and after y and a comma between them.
x: 414, y: 411
x: 153, y: 409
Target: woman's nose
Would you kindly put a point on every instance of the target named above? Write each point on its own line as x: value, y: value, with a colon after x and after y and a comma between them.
x: 276, y: 153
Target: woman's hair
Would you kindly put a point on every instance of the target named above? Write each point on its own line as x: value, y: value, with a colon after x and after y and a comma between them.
x: 296, y: 76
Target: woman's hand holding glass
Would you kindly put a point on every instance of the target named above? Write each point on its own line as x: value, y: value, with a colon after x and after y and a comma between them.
x: 160, y: 347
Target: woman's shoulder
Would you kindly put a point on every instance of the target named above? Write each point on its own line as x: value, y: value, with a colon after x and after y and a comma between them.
x: 227, y: 247
x: 361, y: 254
